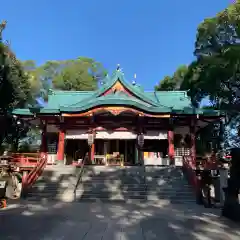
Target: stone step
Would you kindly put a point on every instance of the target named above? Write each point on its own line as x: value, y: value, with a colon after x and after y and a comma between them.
x: 88, y: 195
x: 122, y: 177
x: 116, y: 172
x: 51, y: 197
x: 162, y: 187
x: 36, y: 190
x: 179, y: 187
x: 93, y: 183
x: 115, y: 179
x: 135, y: 179
x: 119, y: 200
x: 136, y: 193
x: 87, y: 177
x: 91, y: 187
x: 124, y: 198
x: 101, y: 185
x: 138, y: 188
x: 139, y: 192
x: 113, y: 184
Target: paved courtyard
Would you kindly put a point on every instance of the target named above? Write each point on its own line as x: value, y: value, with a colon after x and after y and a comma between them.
x: 107, y: 221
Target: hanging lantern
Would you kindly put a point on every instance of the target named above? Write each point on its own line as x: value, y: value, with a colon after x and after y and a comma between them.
x: 90, y: 139
x: 140, y: 139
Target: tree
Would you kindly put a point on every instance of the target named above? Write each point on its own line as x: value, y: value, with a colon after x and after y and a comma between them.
x: 14, y: 89
x: 166, y: 84
x: 215, y: 73
x: 173, y: 82
x: 14, y: 86
x: 32, y: 73
x: 80, y: 74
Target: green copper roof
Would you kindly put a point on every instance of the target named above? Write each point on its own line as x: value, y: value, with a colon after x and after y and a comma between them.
x: 115, y: 100
x: 134, y: 89
x: 150, y: 102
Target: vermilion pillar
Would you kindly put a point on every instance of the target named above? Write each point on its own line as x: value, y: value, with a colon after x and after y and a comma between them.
x: 61, y: 143
x: 92, y: 153
x: 171, y: 145
x: 193, y: 142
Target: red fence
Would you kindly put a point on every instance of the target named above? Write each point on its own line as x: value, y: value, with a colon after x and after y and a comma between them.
x: 189, y: 170
x: 30, y: 164
x: 30, y: 178
x: 202, y: 163
x: 26, y: 159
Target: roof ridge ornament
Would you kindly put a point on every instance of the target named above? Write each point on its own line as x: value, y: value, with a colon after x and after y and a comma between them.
x: 134, y: 80
x: 119, y: 69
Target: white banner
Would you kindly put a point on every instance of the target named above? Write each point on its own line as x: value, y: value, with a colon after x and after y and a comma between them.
x: 156, y: 135
x: 101, y: 135
x: 81, y: 134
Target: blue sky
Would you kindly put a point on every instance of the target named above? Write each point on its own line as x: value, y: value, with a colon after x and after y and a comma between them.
x: 150, y: 38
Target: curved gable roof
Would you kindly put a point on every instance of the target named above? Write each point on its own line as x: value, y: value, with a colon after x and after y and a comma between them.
x: 119, y: 99
x: 118, y: 76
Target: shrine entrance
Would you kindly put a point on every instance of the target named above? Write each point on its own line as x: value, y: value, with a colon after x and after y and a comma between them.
x: 126, y: 148
x: 76, y: 149
x: 153, y: 152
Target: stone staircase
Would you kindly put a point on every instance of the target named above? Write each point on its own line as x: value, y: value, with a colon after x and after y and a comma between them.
x: 56, y: 183
x: 108, y: 183
x: 168, y: 183
x: 112, y: 183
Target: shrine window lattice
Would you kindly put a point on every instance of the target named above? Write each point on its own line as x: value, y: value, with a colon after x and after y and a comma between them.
x: 182, y: 151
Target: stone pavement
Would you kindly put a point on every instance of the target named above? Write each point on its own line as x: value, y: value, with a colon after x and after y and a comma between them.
x: 114, y: 221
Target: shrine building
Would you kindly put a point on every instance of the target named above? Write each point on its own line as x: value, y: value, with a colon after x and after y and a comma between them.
x: 118, y: 121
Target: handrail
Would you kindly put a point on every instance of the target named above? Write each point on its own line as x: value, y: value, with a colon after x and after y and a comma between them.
x: 79, y: 178
x: 24, y: 154
x: 189, y: 170
x: 34, y: 173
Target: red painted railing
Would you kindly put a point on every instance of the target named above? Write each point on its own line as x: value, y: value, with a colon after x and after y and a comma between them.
x: 203, y: 163
x: 189, y: 170
x: 26, y: 159
x: 29, y: 179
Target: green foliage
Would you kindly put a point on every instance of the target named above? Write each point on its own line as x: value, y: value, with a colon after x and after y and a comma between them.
x: 216, y: 71
x: 173, y: 82
x: 32, y: 73
x: 80, y: 74
x: 166, y: 84
x: 22, y: 82
x: 14, y: 87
